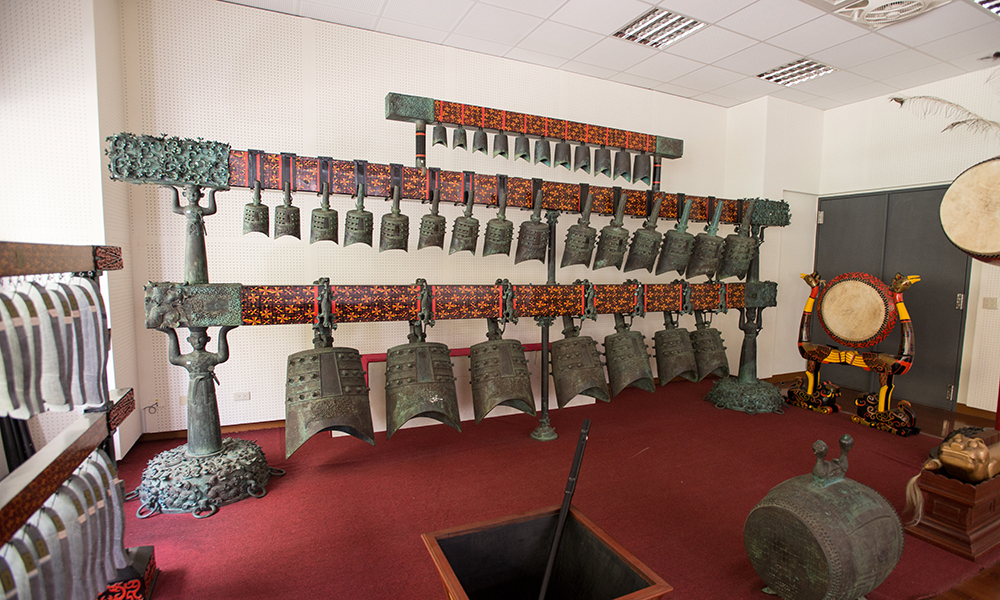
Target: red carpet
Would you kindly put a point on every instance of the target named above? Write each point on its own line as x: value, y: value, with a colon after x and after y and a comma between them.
x: 667, y: 475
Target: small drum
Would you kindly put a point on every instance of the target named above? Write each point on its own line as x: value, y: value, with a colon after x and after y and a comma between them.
x: 856, y: 309
x: 969, y: 211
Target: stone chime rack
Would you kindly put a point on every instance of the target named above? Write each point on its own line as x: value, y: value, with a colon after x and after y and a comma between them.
x: 61, y: 516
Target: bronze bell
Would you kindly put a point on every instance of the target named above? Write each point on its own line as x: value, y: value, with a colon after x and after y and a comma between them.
x: 522, y: 148
x: 740, y: 249
x: 465, y: 233
x: 674, y: 352
x: 576, y: 366
x: 542, y: 152
x: 614, y: 238
x: 439, y: 136
x: 709, y: 351
x: 432, y: 226
x: 395, y: 232
x: 641, y: 168
x: 580, y: 239
x: 706, y: 254
x: 458, y: 139
x: 479, y: 141
x: 602, y: 162
x: 628, y: 363
x: 323, y: 225
x: 533, y: 237
x: 500, y: 375
x: 623, y: 165
x: 420, y: 382
x: 255, y: 214
x: 676, y: 249
x: 562, y: 155
x: 581, y: 159
x: 646, y: 242
x: 359, y: 223
x: 500, y: 145
x: 286, y: 217
x: 499, y: 230
x: 326, y: 391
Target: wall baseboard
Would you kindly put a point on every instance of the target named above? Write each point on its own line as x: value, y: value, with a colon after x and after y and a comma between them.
x: 172, y: 435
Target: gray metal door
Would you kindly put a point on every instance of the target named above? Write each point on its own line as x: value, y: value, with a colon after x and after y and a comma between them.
x: 911, y: 242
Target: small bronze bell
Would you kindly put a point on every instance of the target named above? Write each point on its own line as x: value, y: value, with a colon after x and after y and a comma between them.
x: 706, y: 255
x: 324, y: 222
x: 395, y: 232
x: 439, y: 137
x: 602, y: 162
x: 480, y: 141
x: 623, y: 165
x: 542, y: 152
x: 646, y: 242
x: 359, y: 223
x: 676, y: 250
x: 709, y: 351
x: 499, y: 230
x: 465, y: 233
x: 432, y: 226
x: 563, y: 154
x: 286, y: 217
x: 628, y: 363
x: 581, y: 159
x: 522, y: 148
x: 740, y: 249
x: 576, y: 366
x: 581, y: 238
x: 614, y: 238
x: 500, y: 375
x: 458, y: 139
x: 500, y: 145
x: 419, y: 382
x: 674, y: 352
x: 533, y: 237
x: 641, y: 168
x: 255, y: 214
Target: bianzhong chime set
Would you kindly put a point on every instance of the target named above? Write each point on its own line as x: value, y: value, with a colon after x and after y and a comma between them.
x: 326, y: 386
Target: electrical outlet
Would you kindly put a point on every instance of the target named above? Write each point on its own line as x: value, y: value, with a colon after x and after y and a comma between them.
x: 990, y: 303
x: 184, y: 400
x: 241, y: 396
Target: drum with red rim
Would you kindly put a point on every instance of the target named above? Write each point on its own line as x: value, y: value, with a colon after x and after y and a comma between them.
x: 856, y: 309
x: 970, y: 211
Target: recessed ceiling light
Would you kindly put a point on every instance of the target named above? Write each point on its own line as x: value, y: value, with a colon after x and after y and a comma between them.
x: 797, y: 71
x: 658, y: 28
x: 991, y: 5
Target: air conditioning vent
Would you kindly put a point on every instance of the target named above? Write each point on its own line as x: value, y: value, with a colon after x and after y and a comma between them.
x: 658, y: 28
x: 876, y: 14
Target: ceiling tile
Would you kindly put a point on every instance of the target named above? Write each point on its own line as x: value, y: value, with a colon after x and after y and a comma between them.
x: 677, y: 90
x: 635, y: 80
x: 766, y: 18
x: 708, y: 11
x: 864, y: 92
x: 664, y: 67
x: 710, y: 44
x: 895, y: 64
x: 333, y: 14
x: 936, y: 24
x: 793, y: 95
x: 973, y: 62
x: 436, y: 14
x: 757, y: 59
x: 935, y: 72
x: 409, y: 30
x: 832, y: 83
x: 496, y: 24
x: 748, y: 88
x: 600, y: 16
x: 537, y: 58
x: 824, y: 103
x: 476, y: 44
x: 707, y: 78
x: 984, y: 40
x: 717, y: 100
x: 615, y: 54
x: 368, y: 7
x: 585, y: 69
x: 557, y: 39
x: 538, y: 8
x: 859, y: 50
x: 816, y: 35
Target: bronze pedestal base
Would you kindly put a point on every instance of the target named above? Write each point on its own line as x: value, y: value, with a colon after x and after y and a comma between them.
x: 750, y: 397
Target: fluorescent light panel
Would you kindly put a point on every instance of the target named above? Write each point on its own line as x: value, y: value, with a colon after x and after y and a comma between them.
x: 797, y: 71
x: 991, y: 5
x: 658, y: 28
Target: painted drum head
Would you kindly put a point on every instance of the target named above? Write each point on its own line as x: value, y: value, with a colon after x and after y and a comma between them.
x: 856, y: 309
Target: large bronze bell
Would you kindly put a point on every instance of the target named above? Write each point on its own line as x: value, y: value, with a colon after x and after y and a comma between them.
x: 465, y: 233
x: 458, y: 139
x: 522, y: 148
x: 576, y: 366
x: 676, y: 249
x: 419, y: 382
x: 646, y: 242
x: 614, y: 238
x: 740, y: 249
x: 255, y: 214
x: 581, y: 238
x: 641, y: 168
x: 709, y: 352
x: 500, y: 375
x: 499, y: 230
x: 623, y: 165
x: 533, y: 237
x: 581, y: 158
x: 480, y: 142
x: 359, y: 223
x: 674, y: 352
x: 324, y: 223
x: 439, y: 137
x: 395, y: 232
x: 543, y: 152
x: 432, y: 225
x: 562, y: 155
x: 286, y: 217
x: 500, y: 145
x: 628, y: 363
x: 602, y: 162
x: 326, y: 391
x: 706, y: 254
